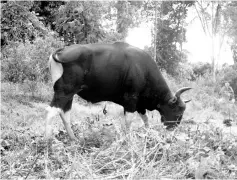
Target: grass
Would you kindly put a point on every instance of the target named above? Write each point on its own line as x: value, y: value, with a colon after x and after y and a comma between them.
x: 198, y: 148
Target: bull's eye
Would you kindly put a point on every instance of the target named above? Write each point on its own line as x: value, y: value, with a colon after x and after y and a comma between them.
x: 179, y: 117
x: 172, y: 106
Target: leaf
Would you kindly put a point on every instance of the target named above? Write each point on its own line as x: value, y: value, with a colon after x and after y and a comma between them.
x: 60, y: 20
x: 78, y: 10
x: 207, y: 168
x: 5, y: 144
x: 192, y: 164
x: 65, y: 26
x: 77, y: 23
x: 71, y: 24
x: 78, y: 29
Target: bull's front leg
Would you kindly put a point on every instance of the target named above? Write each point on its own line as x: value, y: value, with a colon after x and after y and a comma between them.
x: 66, y: 118
x: 130, y: 106
x: 145, y: 119
x: 143, y: 114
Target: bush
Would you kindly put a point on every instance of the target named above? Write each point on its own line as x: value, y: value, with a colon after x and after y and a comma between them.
x: 28, y: 61
x: 200, y: 69
x: 26, y: 92
x: 205, y: 92
x: 229, y: 74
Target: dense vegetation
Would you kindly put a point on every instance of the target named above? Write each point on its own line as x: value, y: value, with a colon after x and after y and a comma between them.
x: 201, y: 147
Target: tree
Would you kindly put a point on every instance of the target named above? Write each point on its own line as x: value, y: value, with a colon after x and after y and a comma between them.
x: 200, y: 69
x: 216, y: 26
x: 18, y: 23
x: 46, y: 11
x: 155, y: 31
x: 171, y: 34
x: 87, y: 22
x: 123, y: 19
x: 127, y: 15
x: 230, y: 17
x: 80, y: 22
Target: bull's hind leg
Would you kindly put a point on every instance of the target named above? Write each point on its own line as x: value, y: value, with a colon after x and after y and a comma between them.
x: 66, y: 117
x: 60, y: 105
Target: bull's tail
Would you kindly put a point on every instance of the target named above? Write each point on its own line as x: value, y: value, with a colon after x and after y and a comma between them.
x: 56, y: 68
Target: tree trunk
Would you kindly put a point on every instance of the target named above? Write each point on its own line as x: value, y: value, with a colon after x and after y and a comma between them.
x: 155, y: 30
x: 212, y: 42
x: 121, y: 12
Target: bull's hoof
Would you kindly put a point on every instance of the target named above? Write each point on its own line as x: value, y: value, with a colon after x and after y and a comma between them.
x: 170, y: 127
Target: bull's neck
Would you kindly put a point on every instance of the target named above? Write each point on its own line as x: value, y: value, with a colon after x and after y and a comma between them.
x: 163, y: 91
x: 164, y: 95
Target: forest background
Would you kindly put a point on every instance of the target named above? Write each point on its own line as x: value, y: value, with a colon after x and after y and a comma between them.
x: 32, y: 30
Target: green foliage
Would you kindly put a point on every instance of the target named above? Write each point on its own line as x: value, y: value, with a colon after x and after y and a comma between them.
x: 90, y: 22
x: 123, y: 20
x: 230, y: 16
x: 80, y: 22
x: 185, y: 71
x: 229, y: 74
x: 111, y: 37
x: 28, y: 61
x: 234, y: 52
x: 171, y: 34
x: 26, y: 92
x: 203, y: 149
x: 18, y: 23
x: 127, y: 15
x: 200, y: 69
x: 46, y: 11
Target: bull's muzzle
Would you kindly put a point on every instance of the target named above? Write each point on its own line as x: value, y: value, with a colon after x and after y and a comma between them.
x: 171, y: 124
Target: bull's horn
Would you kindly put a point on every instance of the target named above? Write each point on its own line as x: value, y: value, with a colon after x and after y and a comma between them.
x: 180, y: 91
x: 186, y: 101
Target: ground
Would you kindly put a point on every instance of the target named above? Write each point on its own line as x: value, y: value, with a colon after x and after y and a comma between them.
x: 201, y: 147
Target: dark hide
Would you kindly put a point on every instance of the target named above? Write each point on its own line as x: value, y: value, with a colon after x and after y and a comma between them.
x: 117, y: 72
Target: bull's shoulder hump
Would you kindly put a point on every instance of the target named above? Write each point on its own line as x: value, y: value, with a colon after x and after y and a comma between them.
x: 137, y: 53
x: 125, y: 47
x: 70, y: 53
x: 121, y: 44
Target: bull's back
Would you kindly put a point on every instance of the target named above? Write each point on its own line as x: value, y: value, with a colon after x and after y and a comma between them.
x: 106, y: 69
x: 105, y: 77
x: 113, y: 66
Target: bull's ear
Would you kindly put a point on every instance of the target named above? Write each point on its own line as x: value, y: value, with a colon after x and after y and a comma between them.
x: 172, y: 100
x: 186, y: 101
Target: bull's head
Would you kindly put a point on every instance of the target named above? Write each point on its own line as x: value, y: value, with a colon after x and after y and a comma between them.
x: 172, y: 111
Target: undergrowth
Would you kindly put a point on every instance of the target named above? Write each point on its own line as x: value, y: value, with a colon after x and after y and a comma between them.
x: 196, y: 149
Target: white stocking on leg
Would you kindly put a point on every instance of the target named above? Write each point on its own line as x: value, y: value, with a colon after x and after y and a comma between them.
x: 52, y: 112
x: 145, y: 119
x: 66, y: 117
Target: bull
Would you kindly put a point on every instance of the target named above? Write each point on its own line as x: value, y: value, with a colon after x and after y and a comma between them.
x: 116, y: 72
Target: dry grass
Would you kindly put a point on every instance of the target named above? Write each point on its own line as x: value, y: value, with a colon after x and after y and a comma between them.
x: 196, y: 149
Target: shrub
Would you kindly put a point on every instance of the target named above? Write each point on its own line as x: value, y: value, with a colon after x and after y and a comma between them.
x: 228, y: 73
x: 26, y: 92
x: 28, y: 61
x: 205, y: 91
x: 200, y: 69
